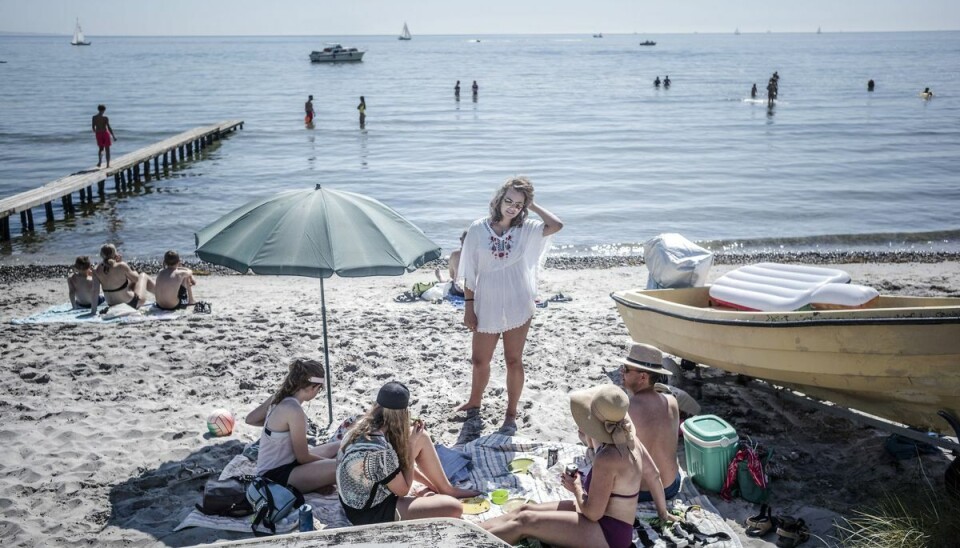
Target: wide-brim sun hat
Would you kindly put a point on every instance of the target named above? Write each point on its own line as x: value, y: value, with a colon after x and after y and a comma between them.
x: 646, y: 357
x: 600, y: 411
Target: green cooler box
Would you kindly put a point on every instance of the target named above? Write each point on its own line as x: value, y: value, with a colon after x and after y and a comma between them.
x: 709, y: 443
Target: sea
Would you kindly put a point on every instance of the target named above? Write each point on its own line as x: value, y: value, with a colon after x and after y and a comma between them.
x: 828, y: 167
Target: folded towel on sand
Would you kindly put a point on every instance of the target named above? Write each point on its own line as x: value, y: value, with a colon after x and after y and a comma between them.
x: 64, y: 313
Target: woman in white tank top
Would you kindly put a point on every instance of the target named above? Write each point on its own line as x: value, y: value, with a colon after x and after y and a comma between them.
x: 284, y: 455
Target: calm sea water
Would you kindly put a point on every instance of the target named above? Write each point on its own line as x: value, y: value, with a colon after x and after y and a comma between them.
x: 830, y: 166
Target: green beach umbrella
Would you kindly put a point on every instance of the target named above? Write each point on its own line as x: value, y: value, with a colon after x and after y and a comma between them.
x: 316, y: 233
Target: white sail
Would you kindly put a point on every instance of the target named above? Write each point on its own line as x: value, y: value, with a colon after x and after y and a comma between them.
x: 78, y: 38
x: 405, y: 35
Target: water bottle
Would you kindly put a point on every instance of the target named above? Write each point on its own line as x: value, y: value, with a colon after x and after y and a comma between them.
x: 306, y: 518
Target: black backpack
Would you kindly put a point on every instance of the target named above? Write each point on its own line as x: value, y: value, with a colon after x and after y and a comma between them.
x: 226, y: 497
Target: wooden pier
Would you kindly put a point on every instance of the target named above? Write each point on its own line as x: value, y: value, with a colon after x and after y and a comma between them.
x: 128, y: 171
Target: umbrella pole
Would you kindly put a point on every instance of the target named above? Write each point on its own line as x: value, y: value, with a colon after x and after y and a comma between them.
x: 326, y: 355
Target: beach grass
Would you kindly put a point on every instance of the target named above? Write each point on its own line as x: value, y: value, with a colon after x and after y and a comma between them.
x: 927, y: 518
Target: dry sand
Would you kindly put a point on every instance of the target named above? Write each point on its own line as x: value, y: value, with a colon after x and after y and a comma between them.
x: 103, y: 426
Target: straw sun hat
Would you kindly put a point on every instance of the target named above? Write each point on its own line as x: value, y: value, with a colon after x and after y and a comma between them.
x: 600, y: 412
x: 646, y: 357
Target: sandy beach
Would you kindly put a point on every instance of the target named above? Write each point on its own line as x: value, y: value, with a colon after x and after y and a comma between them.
x: 104, y: 429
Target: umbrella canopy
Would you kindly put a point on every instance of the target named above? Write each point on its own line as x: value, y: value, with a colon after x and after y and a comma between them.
x: 316, y: 233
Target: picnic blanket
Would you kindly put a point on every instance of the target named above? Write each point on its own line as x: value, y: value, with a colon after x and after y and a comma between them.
x: 490, y: 458
x: 65, y: 313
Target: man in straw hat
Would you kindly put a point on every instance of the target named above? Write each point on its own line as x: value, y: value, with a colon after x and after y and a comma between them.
x: 605, y: 502
x: 656, y: 416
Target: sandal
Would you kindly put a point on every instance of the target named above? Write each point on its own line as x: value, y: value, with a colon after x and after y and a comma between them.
x: 560, y: 298
x: 406, y: 297
x: 761, y: 524
x: 792, y: 532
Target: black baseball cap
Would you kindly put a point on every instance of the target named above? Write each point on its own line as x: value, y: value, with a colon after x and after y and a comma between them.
x: 393, y: 395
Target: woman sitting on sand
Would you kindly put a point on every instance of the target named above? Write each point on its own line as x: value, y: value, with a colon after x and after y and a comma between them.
x: 284, y: 456
x: 499, y: 263
x: 80, y: 284
x: 121, y: 284
x: 382, y: 455
x: 605, y: 503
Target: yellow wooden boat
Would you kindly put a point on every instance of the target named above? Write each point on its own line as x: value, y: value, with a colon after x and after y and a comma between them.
x: 899, y: 359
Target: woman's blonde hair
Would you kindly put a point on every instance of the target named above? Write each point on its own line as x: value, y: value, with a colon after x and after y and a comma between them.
x: 108, y: 252
x: 395, y: 424
x: 521, y: 185
x: 298, y: 376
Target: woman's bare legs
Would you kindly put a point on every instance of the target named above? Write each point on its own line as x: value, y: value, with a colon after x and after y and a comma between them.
x: 144, y: 283
x: 435, y: 506
x: 513, y: 343
x: 557, y: 524
x: 314, y: 475
x: 483, y: 346
x: 428, y: 466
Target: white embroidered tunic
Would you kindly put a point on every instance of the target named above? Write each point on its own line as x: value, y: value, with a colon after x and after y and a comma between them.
x: 502, y: 273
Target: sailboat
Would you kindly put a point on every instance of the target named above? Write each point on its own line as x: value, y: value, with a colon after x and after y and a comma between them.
x: 737, y: 31
x: 78, y: 38
x: 405, y: 35
x: 818, y: 30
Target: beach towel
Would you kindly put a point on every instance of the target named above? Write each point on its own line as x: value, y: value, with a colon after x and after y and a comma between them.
x: 492, y: 455
x: 64, y: 313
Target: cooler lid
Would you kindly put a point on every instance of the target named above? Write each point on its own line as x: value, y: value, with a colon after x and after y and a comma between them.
x: 708, y: 428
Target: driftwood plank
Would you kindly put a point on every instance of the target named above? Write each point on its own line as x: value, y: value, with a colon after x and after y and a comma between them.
x: 439, y: 532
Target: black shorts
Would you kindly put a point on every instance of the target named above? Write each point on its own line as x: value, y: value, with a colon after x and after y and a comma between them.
x: 385, y: 512
x: 280, y: 474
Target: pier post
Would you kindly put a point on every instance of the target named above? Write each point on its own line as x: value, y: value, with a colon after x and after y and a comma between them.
x: 81, y: 196
x: 48, y: 209
x: 173, y: 156
x: 146, y: 170
x: 136, y: 173
x: 5, y: 229
x: 23, y: 221
x: 190, y: 148
x: 165, y: 160
x: 30, y: 219
x: 156, y: 167
x: 70, y: 208
x: 63, y: 203
x: 100, y: 188
x: 90, y: 194
x: 116, y: 182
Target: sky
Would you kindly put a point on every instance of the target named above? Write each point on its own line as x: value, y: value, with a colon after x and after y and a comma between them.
x: 385, y: 17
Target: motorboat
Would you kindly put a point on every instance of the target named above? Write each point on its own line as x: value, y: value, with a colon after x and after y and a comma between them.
x: 648, y: 43
x: 335, y: 53
x: 897, y: 358
x: 405, y: 33
x: 78, y: 38
x: 598, y: 35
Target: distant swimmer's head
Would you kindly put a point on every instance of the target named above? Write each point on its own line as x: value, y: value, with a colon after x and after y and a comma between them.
x: 101, y: 108
x: 512, y: 200
x: 171, y: 258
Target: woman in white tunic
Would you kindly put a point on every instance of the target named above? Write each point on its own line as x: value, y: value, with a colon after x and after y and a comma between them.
x: 499, y: 262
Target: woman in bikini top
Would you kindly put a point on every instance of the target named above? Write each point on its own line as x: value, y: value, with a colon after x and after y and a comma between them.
x: 605, y: 517
x: 121, y: 284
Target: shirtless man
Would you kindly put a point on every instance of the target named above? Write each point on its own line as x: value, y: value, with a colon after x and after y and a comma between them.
x: 308, y: 107
x: 174, y: 286
x: 103, y: 133
x: 655, y: 416
x: 80, y: 284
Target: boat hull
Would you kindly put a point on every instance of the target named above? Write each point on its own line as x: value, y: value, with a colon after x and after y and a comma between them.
x: 344, y: 57
x: 899, y: 360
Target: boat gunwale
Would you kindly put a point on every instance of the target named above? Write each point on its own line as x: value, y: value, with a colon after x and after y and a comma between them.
x: 812, y: 322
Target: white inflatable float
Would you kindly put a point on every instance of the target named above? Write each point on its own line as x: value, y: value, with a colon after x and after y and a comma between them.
x: 770, y: 287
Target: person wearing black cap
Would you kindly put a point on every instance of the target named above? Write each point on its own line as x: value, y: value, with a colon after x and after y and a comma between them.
x: 379, y: 459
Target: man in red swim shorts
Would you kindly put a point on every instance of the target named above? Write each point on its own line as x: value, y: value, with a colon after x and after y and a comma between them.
x: 103, y: 131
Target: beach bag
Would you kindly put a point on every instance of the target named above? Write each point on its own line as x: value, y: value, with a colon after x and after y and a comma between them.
x: 225, y: 498
x: 747, y: 484
x: 271, y: 502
